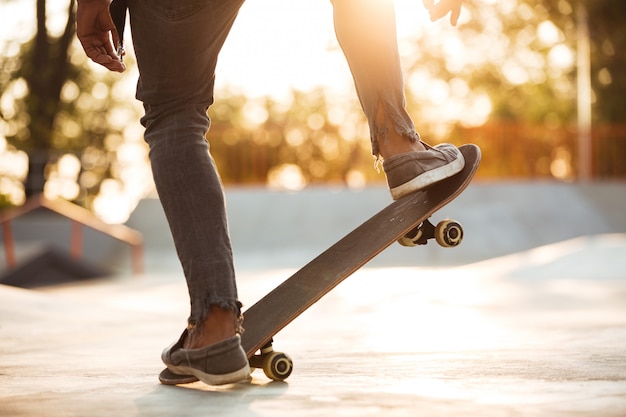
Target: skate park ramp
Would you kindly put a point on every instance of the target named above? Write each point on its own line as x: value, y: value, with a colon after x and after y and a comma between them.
x: 288, y: 229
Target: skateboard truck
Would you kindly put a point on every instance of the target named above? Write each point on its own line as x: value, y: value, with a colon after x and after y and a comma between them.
x: 447, y: 233
x: 276, y: 366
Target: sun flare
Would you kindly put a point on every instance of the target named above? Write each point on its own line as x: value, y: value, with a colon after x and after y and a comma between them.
x: 279, y: 45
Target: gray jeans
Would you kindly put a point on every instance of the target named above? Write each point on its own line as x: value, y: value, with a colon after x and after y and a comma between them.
x: 177, y: 43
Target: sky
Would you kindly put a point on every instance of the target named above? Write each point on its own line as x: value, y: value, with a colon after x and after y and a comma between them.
x: 291, y: 43
x: 275, y: 45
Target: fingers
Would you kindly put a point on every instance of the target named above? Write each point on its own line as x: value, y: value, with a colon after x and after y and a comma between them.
x: 107, y: 59
x: 95, y: 29
x: 112, y: 44
x: 442, y: 7
x: 100, y: 50
x: 456, y: 13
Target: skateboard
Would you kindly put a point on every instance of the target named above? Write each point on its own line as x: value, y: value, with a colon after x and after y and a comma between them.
x: 405, y: 220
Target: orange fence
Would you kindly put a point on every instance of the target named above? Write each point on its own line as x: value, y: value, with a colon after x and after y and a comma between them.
x: 513, y: 150
x: 510, y: 150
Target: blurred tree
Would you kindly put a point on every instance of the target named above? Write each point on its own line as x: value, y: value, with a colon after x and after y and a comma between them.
x: 43, y: 67
x: 327, y: 140
x: 515, y: 61
x: 506, y: 52
x: 53, y: 102
x: 522, y: 54
x: 608, y: 41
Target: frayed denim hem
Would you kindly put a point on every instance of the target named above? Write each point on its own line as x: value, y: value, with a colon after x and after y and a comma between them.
x: 228, y: 305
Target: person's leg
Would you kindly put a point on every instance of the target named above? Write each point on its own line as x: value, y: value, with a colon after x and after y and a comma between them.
x: 366, y: 32
x: 177, y: 43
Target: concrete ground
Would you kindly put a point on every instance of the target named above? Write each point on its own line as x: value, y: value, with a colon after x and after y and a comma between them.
x: 540, y: 332
x: 526, y: 318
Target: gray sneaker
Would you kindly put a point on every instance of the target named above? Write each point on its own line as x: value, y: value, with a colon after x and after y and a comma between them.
x: 222, y: 363
x: 414, y: 171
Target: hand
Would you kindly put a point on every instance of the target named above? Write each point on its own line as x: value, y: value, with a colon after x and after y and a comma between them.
x: 95, y: 29
x: 442, y: 7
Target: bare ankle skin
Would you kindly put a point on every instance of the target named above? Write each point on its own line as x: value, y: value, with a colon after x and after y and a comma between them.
x: 219, y: 325
x: 396, y: 144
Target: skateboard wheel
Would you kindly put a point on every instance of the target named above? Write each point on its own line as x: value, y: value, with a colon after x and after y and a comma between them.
x: 277, y: 366
x: 448, y: 233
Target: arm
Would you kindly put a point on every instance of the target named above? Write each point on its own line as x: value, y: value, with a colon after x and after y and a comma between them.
x: 95, y: 30
x: 442, y: 7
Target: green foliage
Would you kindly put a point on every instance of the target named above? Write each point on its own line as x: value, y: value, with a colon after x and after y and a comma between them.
x: 55, y: 102
x: 326, y: 140
x: 608, y: 41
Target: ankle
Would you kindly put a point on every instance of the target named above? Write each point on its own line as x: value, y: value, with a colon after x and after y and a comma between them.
x: 396, y: 144
x: 219, y: 325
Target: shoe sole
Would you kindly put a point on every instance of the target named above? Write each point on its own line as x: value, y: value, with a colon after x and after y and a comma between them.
x: 167, y: 377
x: 429, y: 178
x: 240, y: 375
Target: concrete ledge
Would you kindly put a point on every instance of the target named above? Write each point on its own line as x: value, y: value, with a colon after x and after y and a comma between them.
x: 280, y: 229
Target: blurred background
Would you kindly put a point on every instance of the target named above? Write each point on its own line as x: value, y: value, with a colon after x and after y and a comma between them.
x: 538, y: 85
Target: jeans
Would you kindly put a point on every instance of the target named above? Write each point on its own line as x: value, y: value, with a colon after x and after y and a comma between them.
x: 177, y: 43
x: 366, y: 32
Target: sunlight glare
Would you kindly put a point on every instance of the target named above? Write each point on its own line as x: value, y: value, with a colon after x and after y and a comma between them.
x: 100, y: 91
x: 19, y: 88
x: 295, y: 137
x: 561, y: 166
x: 286, y: 177
x: 355, y: 179
x: 561, y: 57
x: 111, y: 205
x: 287, y: 45
x: 69, y: 166
x: 438, y: 92
x: 70, y: 91
x: 309, y: 56
x: 13, y: 163
x: 548, y: 33
x: 604, y: 76
x: 433, y: 311
x: 315, y: 121
x: 70, y: 127
x: 514, y: 72
x: 62, y: 181
x: 255, y: 113
x: 12, y: 191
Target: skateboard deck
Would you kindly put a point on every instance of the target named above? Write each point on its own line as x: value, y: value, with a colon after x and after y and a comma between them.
x: 279, y: 307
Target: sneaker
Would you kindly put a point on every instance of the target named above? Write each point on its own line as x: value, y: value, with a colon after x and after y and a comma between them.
x: 222, y: 363
x: 413, y: 171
